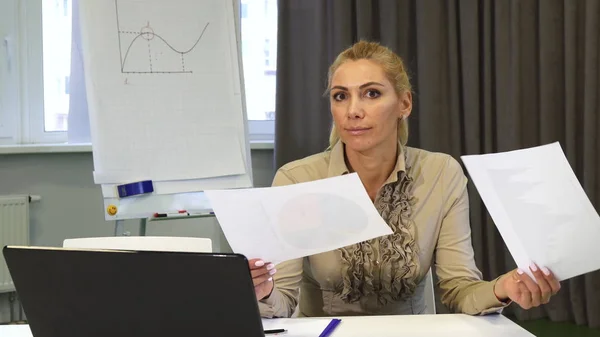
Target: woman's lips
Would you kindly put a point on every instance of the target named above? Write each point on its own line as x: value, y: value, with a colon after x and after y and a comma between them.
x: 357, y: 131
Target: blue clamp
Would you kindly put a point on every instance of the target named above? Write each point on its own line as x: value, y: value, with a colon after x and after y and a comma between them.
x: 137, y: 188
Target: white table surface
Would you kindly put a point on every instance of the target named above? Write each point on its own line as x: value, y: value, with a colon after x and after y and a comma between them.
x: 384, y: 326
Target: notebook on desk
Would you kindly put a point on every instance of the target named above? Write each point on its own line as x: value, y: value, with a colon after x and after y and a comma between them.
x: 99, y: 293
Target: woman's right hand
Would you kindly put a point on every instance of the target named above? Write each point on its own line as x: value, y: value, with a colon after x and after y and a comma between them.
x: 262, y: 277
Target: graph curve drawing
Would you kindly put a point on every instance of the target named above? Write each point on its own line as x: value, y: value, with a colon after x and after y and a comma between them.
x: 145, y: 51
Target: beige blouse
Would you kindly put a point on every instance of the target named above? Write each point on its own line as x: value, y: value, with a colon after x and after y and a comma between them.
x: 425, y: 202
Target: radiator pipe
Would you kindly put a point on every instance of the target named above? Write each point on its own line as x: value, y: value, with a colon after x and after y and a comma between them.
x: 34, y: 198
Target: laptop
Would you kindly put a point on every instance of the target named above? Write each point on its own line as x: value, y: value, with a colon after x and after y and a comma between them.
x: 119, y: 293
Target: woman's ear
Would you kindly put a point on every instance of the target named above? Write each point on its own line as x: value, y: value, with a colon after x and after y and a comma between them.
x: 405, y: 104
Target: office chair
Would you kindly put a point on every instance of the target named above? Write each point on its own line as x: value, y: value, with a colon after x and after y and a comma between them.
x: 145, y: 243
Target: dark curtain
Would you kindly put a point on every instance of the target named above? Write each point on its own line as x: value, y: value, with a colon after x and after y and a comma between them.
x: 489, y: 76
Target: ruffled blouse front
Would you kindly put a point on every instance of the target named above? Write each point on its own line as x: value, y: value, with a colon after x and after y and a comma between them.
x: 397, y: 264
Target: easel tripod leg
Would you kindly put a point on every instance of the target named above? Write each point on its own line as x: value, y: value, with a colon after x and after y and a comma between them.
x: 119, y: 227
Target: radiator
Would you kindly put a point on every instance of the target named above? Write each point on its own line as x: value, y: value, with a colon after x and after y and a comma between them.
x: 14, y: 230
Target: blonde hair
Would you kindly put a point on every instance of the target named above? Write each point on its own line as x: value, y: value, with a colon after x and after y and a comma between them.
x: 392, y: 65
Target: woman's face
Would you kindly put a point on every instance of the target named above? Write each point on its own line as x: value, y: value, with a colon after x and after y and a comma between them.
x: 365, y: 106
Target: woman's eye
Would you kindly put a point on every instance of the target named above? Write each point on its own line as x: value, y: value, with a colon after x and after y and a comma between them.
x: 340, y: 96
x: 372, y: 93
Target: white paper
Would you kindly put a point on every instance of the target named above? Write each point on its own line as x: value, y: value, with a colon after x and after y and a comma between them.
x: 297, y: 327
x: 163, y: 88
x: 15, y: 330
x: 539, y: 208
x: 287, y: 222
x: 215, y: 155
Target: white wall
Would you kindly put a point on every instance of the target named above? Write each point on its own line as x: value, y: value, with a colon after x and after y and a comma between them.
x: 71, y: 204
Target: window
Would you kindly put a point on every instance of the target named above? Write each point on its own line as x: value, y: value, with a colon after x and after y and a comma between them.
x: 43, y: 49
x: 244, y: 10
x: 56, y: 51
x: 9, y: 73
x: 259, y: 54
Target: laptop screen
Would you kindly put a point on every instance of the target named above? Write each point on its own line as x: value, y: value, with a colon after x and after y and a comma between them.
x: 99, y: 293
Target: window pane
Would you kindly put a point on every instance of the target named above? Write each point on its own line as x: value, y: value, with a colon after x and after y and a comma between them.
x: 56, y: 30
x: 259, y: 54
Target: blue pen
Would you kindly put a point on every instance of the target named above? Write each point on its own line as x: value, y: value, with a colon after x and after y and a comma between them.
x: 330, y: 327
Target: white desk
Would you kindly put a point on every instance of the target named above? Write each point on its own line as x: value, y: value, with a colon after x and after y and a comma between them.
x: 385, y: 326
x: 414, y: 326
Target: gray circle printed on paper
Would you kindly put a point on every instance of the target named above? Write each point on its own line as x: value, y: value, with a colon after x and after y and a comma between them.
x: 312, y: 220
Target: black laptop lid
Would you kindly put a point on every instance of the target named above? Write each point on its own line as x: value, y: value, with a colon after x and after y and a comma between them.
x: 75, y: 293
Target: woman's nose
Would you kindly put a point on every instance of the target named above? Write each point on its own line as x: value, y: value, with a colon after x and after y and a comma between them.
x: 355, y: 109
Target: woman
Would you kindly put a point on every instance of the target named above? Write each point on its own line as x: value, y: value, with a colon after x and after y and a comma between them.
x: 421, y: 195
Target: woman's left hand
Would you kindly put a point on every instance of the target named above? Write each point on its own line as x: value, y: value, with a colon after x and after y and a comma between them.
x: 520, y: 288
